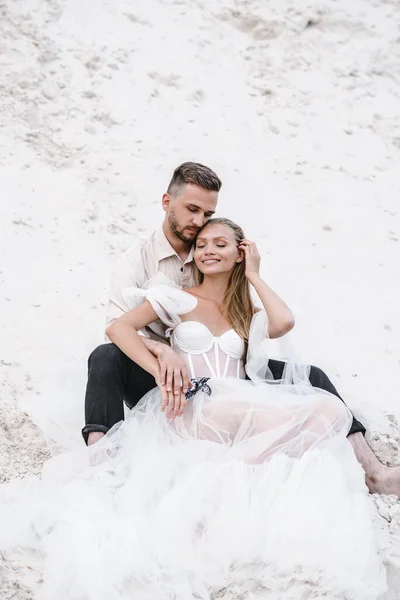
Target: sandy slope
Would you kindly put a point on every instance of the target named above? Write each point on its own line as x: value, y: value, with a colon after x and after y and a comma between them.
x: 295, y: 105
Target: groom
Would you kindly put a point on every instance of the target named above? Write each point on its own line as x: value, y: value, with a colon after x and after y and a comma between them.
x: 190, y: 201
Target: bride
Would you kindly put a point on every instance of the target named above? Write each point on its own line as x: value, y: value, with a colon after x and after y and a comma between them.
x: 235, y: 488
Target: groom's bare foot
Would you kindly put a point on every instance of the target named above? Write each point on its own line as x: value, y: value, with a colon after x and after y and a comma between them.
x: 385, y: 481
x: 94, y: 437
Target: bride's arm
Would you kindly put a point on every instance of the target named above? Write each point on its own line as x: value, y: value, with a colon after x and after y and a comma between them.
x: 123, y: 332
x: 280, y: 317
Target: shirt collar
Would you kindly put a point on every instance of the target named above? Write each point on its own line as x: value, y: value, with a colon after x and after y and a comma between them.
x: 165, y: 250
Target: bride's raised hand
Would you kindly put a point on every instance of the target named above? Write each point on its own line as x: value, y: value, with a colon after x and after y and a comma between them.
x: 252, y: 258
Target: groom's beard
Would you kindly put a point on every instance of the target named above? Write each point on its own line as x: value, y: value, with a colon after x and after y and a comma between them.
x: 185, y: 234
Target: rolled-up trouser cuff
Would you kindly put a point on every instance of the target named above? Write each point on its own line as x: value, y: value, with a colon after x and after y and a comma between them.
x: 357, y: 427
x: 91, y: 428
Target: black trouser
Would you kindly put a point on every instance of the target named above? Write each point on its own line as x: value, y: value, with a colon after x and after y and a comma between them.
x: 114, y: 378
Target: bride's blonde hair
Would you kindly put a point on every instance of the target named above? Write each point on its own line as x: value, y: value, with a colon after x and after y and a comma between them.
x: 237, y: 303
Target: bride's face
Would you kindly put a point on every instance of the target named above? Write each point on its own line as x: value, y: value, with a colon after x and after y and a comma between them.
x: 216, y: 249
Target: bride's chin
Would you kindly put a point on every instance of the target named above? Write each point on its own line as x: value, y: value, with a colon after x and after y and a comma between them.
x: 212, y: 270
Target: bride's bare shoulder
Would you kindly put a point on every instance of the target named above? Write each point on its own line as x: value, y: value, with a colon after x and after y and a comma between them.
x: 202, y: 300
x: 194, y: 291
x: 199, y: 294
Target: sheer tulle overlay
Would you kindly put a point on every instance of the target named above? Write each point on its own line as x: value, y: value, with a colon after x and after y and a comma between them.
x: 254, y: 492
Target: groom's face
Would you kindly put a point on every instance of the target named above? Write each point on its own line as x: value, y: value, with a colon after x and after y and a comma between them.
x: 189, y: 209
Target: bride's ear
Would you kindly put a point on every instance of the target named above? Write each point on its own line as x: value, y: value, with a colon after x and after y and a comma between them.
x: 240, y: 257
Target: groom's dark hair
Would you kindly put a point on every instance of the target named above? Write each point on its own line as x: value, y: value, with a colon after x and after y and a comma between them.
x: 190, y: 172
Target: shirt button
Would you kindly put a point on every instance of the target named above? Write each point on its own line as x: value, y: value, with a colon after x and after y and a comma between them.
x: 181, y: 269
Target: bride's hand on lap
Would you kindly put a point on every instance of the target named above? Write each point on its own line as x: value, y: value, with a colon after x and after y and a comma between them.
x: 173, y: 405
x: 252, y: 258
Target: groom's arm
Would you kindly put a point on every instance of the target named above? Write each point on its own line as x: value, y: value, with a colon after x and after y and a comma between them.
x: 128, y: 272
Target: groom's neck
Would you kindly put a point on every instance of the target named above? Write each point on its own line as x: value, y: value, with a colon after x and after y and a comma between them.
x: 181, y: 248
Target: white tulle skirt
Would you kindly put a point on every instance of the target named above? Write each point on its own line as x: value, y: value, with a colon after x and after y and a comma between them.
x: 254, y: 493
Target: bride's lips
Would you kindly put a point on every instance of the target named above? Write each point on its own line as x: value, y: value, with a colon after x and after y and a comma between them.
x: 210, y: 261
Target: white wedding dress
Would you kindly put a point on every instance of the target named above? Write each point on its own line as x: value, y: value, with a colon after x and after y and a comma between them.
x: 253, y: 493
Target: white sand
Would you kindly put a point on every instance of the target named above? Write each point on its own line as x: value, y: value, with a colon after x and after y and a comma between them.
x: 296, y: 105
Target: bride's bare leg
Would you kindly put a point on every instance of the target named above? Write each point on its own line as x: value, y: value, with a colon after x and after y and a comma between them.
x: 242, y: 423
x: 314, y: 422
x: 379, y: 478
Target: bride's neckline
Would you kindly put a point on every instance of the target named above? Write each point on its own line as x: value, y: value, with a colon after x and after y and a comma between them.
x: 205, y: 327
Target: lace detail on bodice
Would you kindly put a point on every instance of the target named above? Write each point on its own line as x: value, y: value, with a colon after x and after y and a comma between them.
x: 207, y: 355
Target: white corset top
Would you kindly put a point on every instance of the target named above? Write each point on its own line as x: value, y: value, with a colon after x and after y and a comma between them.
x: 207, y: 355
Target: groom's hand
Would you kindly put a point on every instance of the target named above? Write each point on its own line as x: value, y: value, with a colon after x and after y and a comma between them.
x: 173, y: 371
x: 173, y: 374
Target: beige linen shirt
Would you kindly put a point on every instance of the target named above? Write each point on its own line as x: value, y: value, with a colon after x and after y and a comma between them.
x: 141, y: 263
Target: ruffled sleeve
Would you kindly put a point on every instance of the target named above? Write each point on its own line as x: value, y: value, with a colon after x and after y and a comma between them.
x: 261, y: 349
x: 258, y: 351
x: 168, y: 300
